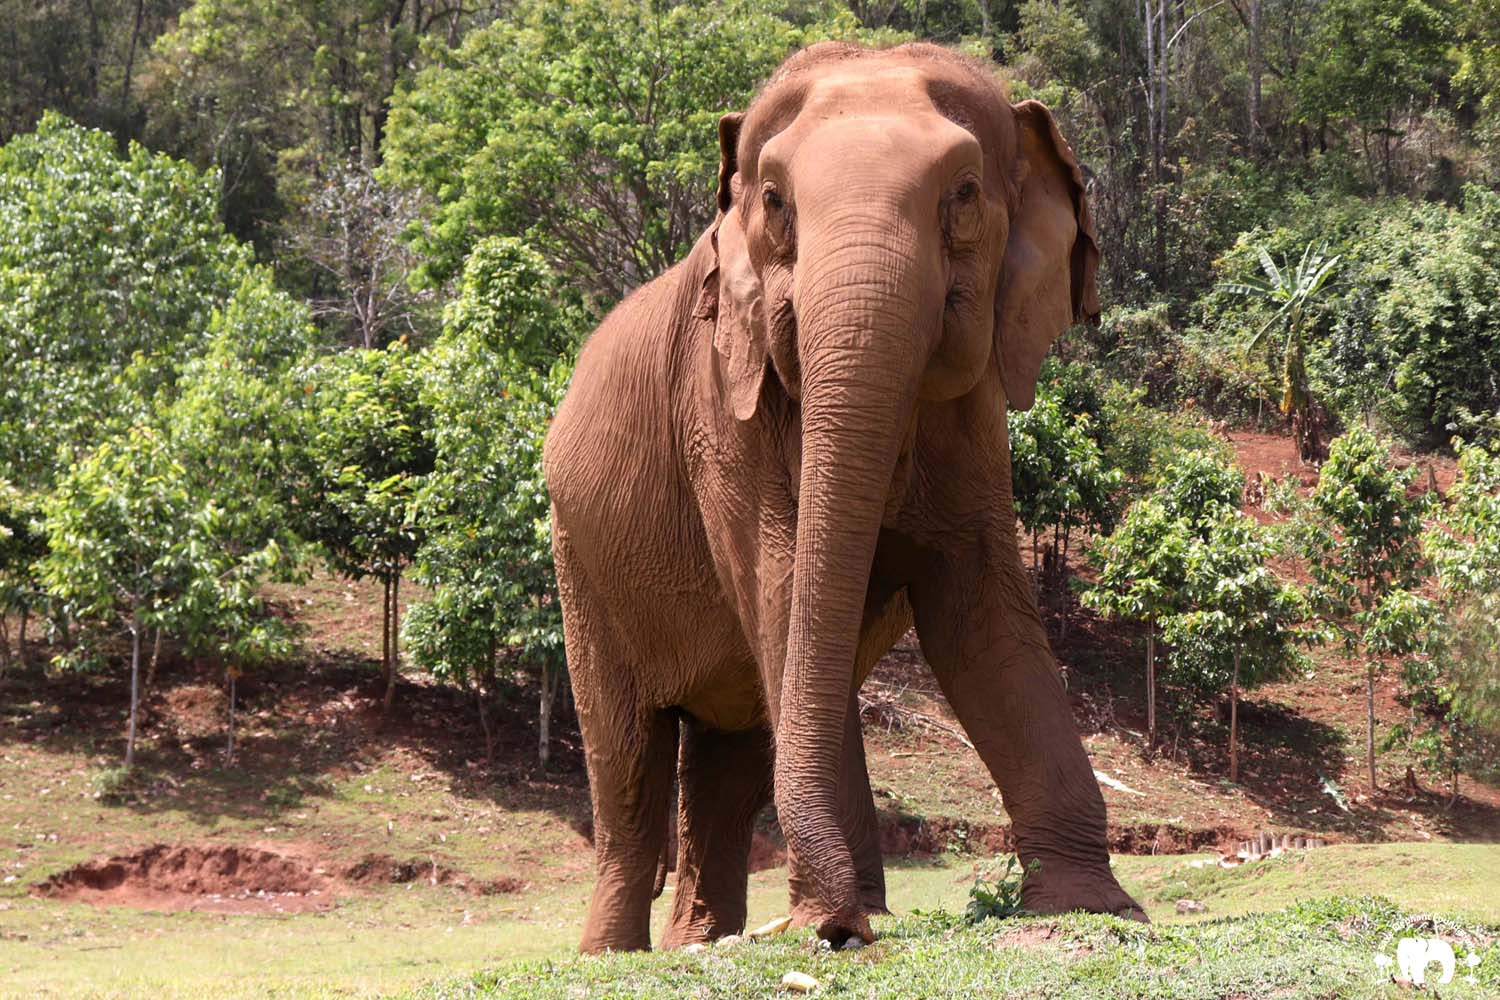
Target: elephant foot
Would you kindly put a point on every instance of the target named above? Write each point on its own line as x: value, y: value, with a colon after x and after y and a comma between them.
x: 1061, y: 887
x: 835, y: 927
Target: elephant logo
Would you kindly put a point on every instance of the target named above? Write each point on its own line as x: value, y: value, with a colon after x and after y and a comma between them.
x: 1414, y: 955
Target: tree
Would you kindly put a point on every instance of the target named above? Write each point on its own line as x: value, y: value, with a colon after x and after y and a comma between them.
x: 22, y: 543
x: 1293, y: 291
x: 78, y: 59
x: 98, y: 242
x: 493, y: 381
x: 268, y: 90
x: 1059, y: 478
x: 352, y: 232
x: 133, y: 545
x: 1143, y: 565
x: 1368, y: 58
x: 1240, y: 623
x: 602, y: 153
x: 368, y: 450
x: 1453, y: 693
x: 1142, y: 571
x: 1361, y: 537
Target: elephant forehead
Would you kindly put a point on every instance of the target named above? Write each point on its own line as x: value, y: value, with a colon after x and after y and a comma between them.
x: 867, y: 85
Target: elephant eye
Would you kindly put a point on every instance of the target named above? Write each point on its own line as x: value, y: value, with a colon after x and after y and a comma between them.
x: 778, y: 223
x: 963, y: 214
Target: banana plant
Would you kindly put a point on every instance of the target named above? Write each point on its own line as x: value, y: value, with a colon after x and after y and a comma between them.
x: 1291, y: 290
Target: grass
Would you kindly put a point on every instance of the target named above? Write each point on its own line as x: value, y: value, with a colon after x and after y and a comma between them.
x: 1316, y: 950
x: 400, y: 940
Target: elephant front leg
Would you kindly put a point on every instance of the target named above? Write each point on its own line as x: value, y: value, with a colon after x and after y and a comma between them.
x: 861, y: 827
x: 983, y: 636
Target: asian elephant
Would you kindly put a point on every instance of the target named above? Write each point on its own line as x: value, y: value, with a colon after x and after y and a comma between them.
x: 783, y: 452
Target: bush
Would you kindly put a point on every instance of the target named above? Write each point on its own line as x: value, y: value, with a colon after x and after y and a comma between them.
x: 493, y: 380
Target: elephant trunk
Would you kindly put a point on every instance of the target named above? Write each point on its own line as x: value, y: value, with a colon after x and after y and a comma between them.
x: 858, y: 343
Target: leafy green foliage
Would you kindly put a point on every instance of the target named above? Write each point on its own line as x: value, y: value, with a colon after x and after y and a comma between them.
x: 1293, y: 290
x: 998, y: 897
x: 1370, y: 55
x: 367, y: 450
x: 1453, y: 692
x: 94, y: 243
x: 588, y: 128
x: 1195, y: 485
x: 1241, y: 623
x: 492, y: 387
x: 1361, y: 537
x: 1058, y: 474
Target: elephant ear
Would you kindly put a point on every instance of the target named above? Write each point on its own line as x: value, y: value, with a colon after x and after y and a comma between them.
x: 1047, y: 277
x: 741, y: 334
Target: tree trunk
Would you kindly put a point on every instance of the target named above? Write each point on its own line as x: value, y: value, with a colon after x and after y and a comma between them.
x: 393, y: 642
x: 21, y: 637
x: 135, y: 37
x: 1234, y: 721
x: 1252, y: 100
x: 1151, y: 684
x: 4, y: 643
x: 481, y: 699
x: 1453, y: 798
x: 155, y: 656
x: 385, y: 631
x: 135, y: 688
x: 1370, y: 719
x: 544, y: 729
x: 234, y: 675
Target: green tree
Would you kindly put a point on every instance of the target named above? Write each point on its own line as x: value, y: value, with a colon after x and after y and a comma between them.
x: 95, y: 242
x: 1059, y: 478
x: 1454, y: 692
x: 1143, y: 565
x: 1195, y: 484
x: 1293, y: 291
x: 1368, y: 58
x: 493, y: 381
x: 22, y: 543
x: 588, y: 128
x: 1361, y: 535
x: 368, y: 450
x: 276, y: 93
x: 135, y: 543
x: 1142, y: 568
x: 1241, y: 623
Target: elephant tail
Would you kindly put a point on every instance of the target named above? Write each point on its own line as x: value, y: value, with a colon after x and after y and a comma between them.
x: 661, y: 871
x: 669, y: 840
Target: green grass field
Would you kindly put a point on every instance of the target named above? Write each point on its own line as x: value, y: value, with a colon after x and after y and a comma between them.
x: 436, y: 942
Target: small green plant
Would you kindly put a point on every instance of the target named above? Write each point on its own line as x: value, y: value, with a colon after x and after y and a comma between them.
x: 999, y: 897
x: 113, y: 785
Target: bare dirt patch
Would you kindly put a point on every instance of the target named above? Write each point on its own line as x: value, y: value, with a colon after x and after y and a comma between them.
x: 209, y: 879
x: 243, y: 880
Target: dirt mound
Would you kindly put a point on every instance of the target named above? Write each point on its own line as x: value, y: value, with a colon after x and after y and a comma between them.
x: 229, y: 879
x: 905, y: 835
x: 213, y: 879
x: 382, y: 869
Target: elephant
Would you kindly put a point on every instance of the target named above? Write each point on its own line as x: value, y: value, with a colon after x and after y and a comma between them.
x: 791, y: 447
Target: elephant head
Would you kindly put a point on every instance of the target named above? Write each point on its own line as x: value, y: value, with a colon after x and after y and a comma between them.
x: 890, y: 225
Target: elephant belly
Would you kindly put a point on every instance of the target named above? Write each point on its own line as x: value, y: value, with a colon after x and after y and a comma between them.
x: 730, y: 698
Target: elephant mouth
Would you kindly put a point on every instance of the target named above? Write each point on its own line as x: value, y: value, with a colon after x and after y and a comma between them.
x: 901, y: 476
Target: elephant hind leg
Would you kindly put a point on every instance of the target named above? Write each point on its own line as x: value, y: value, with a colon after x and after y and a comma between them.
x: 630, y: 773
x: 724, y: 781
x: 629, y: 747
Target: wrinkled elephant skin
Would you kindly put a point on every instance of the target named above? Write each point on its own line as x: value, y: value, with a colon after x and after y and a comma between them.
x: 788, y: 449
